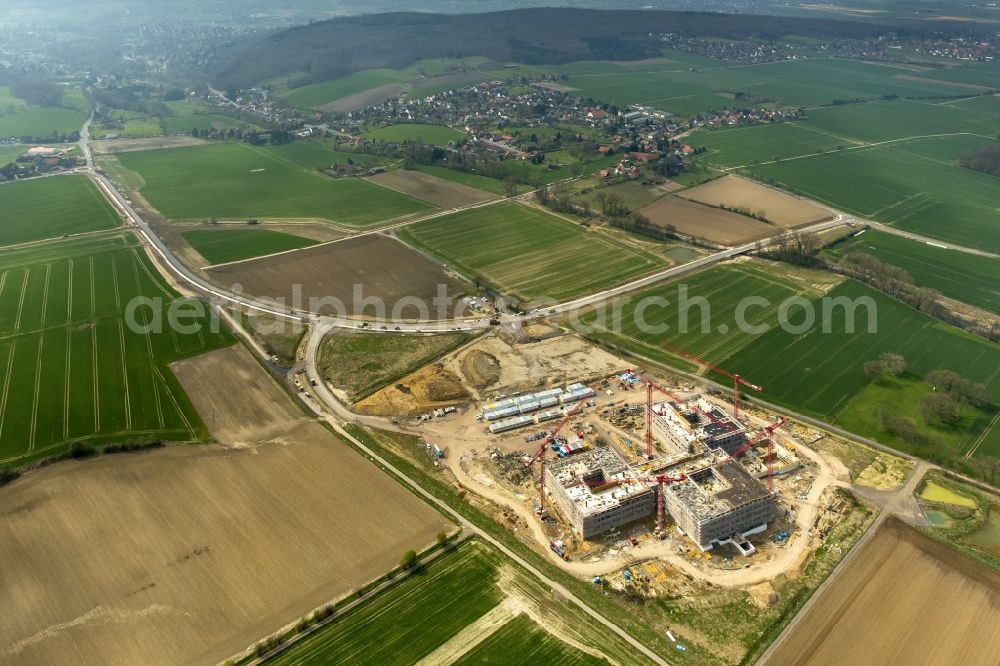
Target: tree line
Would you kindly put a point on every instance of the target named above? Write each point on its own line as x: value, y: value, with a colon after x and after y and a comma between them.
x: 332, y: 49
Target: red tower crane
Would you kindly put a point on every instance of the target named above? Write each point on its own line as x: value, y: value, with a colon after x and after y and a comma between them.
x: 737, y: 380
x: 660, y: 480
x: 540, y: 454
x: 768, y: 434
x: 650, y: 385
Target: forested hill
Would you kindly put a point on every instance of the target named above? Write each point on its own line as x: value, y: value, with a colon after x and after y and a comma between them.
x: 335, y: 48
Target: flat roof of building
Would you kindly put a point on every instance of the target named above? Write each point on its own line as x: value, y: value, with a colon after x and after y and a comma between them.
x: 596, y: 480
x: 715, y: 485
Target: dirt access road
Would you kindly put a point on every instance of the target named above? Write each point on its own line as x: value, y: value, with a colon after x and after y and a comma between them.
x: 328, y: 407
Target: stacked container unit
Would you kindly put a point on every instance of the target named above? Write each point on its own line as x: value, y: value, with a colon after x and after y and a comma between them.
x: 528, y: 407
x: 548, y: 416
x: 510, y: 424
x: 576, y: 395
x: 548, y: 401
x: 499, y: 413
x: 570, y: 449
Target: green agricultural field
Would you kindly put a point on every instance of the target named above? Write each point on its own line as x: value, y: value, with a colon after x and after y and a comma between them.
x: 968, y: 278
x: 220, y: 246
x: 9, y: 153
x: 412, y: 619
x: 985, y: 74
x: 50, y: 207
x: 914, y: 185
x: 847, y: 126
x: 74, y: 370
x: 418, y: 616
x: 18, y: 119
x: 521, y: 642
x: 887, y: 121
x: 688, y: 88
x: 240, y: 181
x: 419, y: 79
x: 471, y: 179
x: 745, y: 146
x: 203, y: 122
x: 320, y: 94
x: 819, y: 373
x: 814, y: 372
x: 188, y: 116
x: 437, y: 135
x: 527, y: 253
x: 707, y: 332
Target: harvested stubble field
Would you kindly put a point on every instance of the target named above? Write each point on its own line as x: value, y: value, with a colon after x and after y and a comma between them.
x: 438, y: 191
x: 188, y: 555
x: 239, y: 181
x: 51, y: 207
x: 72, y: 368
x: 380, y: 266
x: 903, y: 599
x: 712, y: 224
x: 774, y: 205
x: 528, y: 253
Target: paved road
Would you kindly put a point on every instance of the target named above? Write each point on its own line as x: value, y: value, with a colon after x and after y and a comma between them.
x: 929, y: 241
x: 331, y: 410
x: 326, y: 398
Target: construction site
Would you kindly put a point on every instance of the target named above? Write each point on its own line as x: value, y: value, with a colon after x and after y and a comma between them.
x: 695, y: 465
x: 600, y: 464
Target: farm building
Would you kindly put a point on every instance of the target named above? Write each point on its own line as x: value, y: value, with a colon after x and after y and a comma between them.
x: 681, y: 426
x: 719, y: 502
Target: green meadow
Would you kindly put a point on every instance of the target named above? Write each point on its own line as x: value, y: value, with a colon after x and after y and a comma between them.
x: 240, y: 181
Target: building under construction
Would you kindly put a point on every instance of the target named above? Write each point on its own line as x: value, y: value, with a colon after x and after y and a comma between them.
x: 682, y: 426
x: 597, y: 491
x: 719, y: 501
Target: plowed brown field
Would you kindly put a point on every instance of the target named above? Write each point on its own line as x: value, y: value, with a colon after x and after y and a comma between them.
x: 902, y: 599
x: 381, y: 267
x: 779, y: 208
x: 712, y: 224
x: 188, y: 555
x: 438, y: 191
